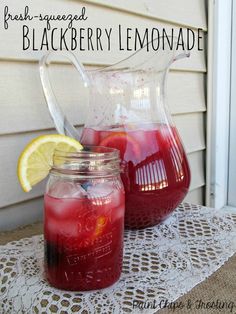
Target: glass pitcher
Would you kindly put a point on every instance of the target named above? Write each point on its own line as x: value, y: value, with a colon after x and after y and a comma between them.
x: 128, y: 111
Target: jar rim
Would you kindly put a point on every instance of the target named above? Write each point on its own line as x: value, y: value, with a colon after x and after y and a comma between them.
x: 90, y: 161
x: 90, y: 152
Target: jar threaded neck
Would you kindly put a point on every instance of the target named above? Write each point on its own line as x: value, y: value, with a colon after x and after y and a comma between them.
x: 91, y: 161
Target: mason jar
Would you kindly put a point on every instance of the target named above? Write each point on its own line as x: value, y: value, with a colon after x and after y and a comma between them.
x: 84, y: 207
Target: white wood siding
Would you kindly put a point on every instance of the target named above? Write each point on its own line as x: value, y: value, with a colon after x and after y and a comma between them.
x: 23, y: 111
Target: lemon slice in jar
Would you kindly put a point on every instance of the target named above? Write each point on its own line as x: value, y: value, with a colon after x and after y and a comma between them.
x: 36, y: 159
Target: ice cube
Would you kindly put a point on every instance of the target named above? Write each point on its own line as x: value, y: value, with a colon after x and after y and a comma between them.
x: 65, y: 189
x: 63, y: 208
x: 118, y: 213
x: 68, y: 228
x: 106, y: 195
x: 100, y: 190
x: 117, y: 198
x: 100, y: 195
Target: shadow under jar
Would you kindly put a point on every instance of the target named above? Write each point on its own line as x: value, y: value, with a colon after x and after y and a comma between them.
x: 84, y: 207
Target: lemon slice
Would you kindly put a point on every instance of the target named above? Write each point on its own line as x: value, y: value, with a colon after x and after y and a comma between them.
x: 36, y: 159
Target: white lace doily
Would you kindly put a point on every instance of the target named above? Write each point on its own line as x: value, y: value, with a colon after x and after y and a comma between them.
x: 160, y: 263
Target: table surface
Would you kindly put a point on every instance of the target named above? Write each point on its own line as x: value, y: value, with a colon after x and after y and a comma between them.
x: 220, y: 286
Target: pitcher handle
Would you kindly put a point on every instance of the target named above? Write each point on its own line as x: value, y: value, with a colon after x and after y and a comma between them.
x: 61, y: 122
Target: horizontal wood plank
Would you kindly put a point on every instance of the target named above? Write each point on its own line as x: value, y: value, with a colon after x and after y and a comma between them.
x: 192, y: 130
x: 196, y: 196
x: 184, y: 12
x: 196, y: 162
x: 23, y: 107
x: 186, y: 92
x: 98, y: 17
x: 21, y: 214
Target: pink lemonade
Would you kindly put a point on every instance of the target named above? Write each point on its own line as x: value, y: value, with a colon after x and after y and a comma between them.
x: 84, y: 237
x: 155, y: 170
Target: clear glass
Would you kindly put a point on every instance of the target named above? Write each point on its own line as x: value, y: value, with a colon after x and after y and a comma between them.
x: 84, y: 220
x: 128, y: 111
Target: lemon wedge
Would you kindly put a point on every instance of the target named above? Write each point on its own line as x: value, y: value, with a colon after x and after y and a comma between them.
x: 36, y: 159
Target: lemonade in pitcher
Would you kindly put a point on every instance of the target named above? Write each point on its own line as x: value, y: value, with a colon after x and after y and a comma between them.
x: 128, y: 110
x: 154, y: 169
